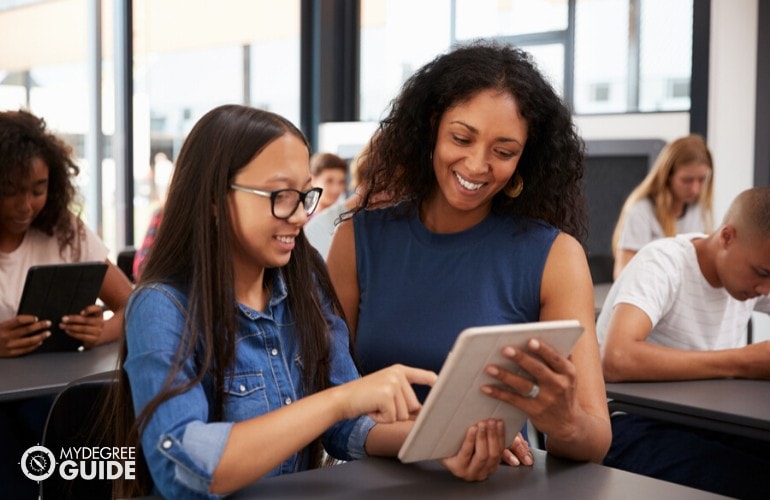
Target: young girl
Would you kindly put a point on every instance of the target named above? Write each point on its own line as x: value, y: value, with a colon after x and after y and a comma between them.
x: 37, y: 226
x: 236, y: 358
x: 37, y: 192
x: 675, y: 197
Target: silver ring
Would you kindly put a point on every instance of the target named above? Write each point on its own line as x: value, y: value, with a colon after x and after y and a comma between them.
x: 532, y: 394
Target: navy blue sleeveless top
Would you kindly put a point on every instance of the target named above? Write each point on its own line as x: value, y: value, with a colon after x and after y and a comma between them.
x: 420, y: 289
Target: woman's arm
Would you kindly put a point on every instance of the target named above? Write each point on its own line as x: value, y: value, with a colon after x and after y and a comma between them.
x: 571, y: 405
x: 581, y: 429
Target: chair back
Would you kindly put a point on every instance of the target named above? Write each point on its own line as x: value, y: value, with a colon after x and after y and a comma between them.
x: 126, y: 262
x: 73, y: 422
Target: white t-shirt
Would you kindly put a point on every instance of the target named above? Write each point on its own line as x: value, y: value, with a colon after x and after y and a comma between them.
x: 320, y: 228
x: 665, y: 281
x: 642, y: 226
x: 38, y: 248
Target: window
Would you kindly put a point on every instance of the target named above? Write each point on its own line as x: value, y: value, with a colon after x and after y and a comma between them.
x: 637, y: 48
x: 191, y: 56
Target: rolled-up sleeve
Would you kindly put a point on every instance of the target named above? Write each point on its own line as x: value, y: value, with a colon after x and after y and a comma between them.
x: 181, y: 448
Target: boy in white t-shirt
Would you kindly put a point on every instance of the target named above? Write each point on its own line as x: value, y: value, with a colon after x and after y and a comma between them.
x: 679, y: 311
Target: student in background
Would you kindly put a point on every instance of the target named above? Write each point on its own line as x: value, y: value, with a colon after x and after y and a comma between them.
x: 481, y: 165
x: 320, y: 228
x: 238, y: 363
x: 674, y: 198
x: 162, y: 170
x: 679, y: 312
x: 37, y: 226
x: 329, y: 172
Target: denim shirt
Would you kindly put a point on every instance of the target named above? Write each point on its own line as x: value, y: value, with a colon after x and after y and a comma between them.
x: 182, y: 444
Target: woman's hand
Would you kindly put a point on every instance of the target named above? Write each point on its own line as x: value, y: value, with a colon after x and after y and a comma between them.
x: 16, y: 338
x: 550, y: 399
x: 385, y: 395
x: 87, y: 326
x: 480, y: 452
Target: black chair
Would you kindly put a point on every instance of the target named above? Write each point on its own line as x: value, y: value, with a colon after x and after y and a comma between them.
x: 601, y: 268
x: 126, y: 262
x: 73, y: 422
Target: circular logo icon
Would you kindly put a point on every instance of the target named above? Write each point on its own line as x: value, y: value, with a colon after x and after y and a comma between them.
x: 38, y: 463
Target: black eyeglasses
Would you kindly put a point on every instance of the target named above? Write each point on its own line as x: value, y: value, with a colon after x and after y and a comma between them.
x: 284, y: 202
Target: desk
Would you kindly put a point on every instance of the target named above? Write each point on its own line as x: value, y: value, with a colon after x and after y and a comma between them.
x: 378, y: 478
x: 48, y: 373
x: 726, y: 405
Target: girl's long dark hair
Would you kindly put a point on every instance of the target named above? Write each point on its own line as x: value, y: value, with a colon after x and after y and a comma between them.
x: 192, y: 251
x: 399, y: 160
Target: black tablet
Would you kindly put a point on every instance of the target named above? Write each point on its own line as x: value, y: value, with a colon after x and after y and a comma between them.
x: 56, y: 290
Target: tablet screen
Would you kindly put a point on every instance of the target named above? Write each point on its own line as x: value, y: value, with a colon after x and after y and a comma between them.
x: 56, y: 290
x: 456, y: 402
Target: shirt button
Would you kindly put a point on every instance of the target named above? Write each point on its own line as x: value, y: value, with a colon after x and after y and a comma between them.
x: 167, y: 444
x: 242, y: 388
x: 274, y: 352
x: 287, y: 401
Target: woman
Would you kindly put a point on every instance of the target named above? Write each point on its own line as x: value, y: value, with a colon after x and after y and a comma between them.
x: 675, y: 197
x: 483, y: 165
x: 37, y: 226
x: 237, y: 361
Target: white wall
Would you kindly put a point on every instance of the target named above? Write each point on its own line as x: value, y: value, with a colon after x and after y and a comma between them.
x: 732, y: 97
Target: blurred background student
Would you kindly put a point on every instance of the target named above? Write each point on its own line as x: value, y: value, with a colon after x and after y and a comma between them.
x: 674, y: 198
x: 320, y: 228
x: 162, y: 169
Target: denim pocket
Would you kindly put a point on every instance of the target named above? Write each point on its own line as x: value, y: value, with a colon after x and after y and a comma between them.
x: 246, y: 397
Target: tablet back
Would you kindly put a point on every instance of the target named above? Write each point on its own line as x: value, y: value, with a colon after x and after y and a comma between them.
x: 456, y: 402
x: 56, y: 290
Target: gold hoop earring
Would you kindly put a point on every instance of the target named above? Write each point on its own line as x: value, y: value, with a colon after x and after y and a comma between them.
x: 515, y: 189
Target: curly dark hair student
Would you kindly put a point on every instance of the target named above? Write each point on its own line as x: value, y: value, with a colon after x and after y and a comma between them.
x: 551, y: 164
x: 23, y: 137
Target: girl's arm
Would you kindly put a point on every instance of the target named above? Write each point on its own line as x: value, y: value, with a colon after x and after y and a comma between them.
x: 90, y: 326
x: 258, y: 445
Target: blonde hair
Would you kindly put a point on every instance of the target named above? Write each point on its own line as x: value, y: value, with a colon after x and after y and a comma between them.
x: 683, y: 151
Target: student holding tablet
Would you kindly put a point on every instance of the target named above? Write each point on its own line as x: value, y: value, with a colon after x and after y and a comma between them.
x: 37, y: 227
x: 37, y: 192
x: 239, y: 365
x: 484, y: 166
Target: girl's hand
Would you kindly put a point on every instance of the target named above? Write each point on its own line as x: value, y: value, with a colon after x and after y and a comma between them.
x: 480, y: 452
x: 554, y: 405
x: 87, y: 326
x: 518, y: 453
x: 15, y: 338
x: 385, y: 395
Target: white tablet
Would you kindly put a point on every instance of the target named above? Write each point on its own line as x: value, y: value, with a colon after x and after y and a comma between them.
x: 456, y: 402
